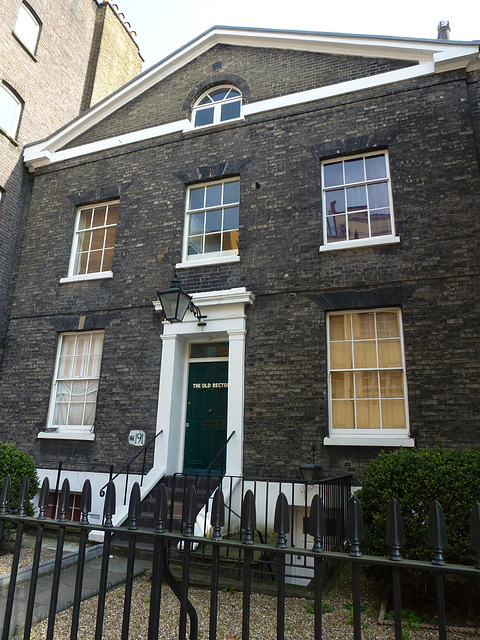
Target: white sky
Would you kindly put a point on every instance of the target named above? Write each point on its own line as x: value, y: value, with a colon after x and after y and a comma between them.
x: 163, y: 26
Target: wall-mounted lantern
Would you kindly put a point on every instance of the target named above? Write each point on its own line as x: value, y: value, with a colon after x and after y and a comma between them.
x: 176, y: 302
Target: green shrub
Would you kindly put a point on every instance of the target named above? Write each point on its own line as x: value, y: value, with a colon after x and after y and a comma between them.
x: 18, y: 464
x: 415, y: 478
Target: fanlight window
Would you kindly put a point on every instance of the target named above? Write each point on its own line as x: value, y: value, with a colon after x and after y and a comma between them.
x: 217, y: 105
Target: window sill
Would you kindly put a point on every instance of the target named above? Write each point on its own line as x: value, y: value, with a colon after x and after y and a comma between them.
x: 357, y: 244
x: 213, y: 125
x: 104, y: 275
x: 66, y: 435
x: 369, y: 441
x: 206, y: 262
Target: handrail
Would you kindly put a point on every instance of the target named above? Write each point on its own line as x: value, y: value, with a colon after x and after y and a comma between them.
x: 207, y: 470
x: 127, y: 466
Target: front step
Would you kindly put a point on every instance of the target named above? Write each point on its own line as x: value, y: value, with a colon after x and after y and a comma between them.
x: 176, y: 486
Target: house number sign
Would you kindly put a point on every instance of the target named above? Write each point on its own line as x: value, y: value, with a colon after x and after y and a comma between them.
x: 210, y: 385
x: 137, y: 438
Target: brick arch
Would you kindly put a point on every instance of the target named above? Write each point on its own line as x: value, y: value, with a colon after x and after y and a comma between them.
x: 211, y: 81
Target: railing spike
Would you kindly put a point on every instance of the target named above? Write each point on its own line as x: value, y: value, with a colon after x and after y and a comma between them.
x: 317, y: 523
x: 218, y: 514
x: 23, y: 498
x: 475, y: 531
x: 160, y: 508
x: 109, y: 506
x: 43, y: 500
x: 5, y: 495
x: 437, y: 532
x: 281, y: 524
x: 394, y: 529
x: 86, y: 501
x: 64, y: 502
x: 248, y: 522
x: 354, y: 526
x: 189, y: 514
x: 134, y: 506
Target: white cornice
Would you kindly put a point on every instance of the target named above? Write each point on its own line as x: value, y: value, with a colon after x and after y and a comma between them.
x: 430, y: 56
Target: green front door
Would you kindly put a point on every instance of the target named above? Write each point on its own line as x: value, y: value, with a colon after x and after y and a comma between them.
x: 206, y: 423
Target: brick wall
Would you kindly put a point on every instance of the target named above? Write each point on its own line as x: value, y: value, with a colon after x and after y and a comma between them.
x: 432, y: 274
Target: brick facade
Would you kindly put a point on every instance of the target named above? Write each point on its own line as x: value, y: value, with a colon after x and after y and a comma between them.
x: 429, y: 126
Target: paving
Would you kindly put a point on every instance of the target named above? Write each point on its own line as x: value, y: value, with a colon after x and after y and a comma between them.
x: 91, y: 581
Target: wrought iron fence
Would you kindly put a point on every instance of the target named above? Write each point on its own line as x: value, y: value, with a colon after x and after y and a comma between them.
x: 163, y: 540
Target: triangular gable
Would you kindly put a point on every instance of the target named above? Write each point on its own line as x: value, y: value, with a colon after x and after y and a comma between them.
x: 426, y: 56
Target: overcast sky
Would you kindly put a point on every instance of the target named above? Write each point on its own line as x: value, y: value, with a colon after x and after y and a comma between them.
x: 163, y: 26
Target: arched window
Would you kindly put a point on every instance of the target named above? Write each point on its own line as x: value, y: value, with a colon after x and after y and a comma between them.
x: 27, y: 27
x: 217, y: 105
x: 10, y: 111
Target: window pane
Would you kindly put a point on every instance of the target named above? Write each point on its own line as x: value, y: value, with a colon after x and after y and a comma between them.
x: 99, y: 216
x: 27, y: 28
x: 197, y: 198
x: 231, y: 192
x: 98, y: 239
x: 230, y: 241
x: 230, y: 220
x: 196, y: 222
x: 389, y: 353
x: 366, y: 384
x: 112, y: 215
x: 110, y: 237
x: 387, y: 324
x: 342, y: 414
x: 376, y: 167
x: 80, y: 267
x: 213, y: 220
x: 365, y: 355
x: 210, y: 350
x: 219, y: 94
x: 340, y: 327
x: 363, y: 325
x: 230, y: 110
x: 195, y: 245
x: 368, y: 414
x: 356, y: 198
x: 391, y: 384
x: 333, y: 174
x: 336, y: 228
x: 95, y: 262
x: 204, y: 116
x: 214, y: 195
x: 335, y: 202
x: 358, y: 225
x: 107, y: 260
x: 9, y: 111
x: 341, y: 355
x: 381, y: 223
x: 378, y: 196
x: 342, y: 385
x: 354, y: 171
x: 393, y: 414
x: 85, y: 220
x: 213, y: 243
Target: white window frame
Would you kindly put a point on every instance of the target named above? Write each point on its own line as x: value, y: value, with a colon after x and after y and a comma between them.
x: 61, y: 431
x: 11, y: 128
x: 212, y: 257
x: 76, y: 243
x: 390, y: 238
x: 27, y: 28
x: 217, y: 106
x: 368, y: 437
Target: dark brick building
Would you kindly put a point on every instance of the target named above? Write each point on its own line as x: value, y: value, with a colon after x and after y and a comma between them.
x: 318, y: 195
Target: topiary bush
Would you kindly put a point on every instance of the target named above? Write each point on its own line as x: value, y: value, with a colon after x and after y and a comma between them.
x: 18, y: 464
x: 415, y: 478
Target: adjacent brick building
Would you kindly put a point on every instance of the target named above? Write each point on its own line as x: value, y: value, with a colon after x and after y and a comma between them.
x: 56, y: 59
x: 318, y: 195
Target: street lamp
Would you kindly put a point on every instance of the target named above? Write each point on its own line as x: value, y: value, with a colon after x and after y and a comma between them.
x: 310, y: 471
x: 175, y: 303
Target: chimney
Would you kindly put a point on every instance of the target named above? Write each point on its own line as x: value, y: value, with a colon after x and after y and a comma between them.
x: 443, y: 30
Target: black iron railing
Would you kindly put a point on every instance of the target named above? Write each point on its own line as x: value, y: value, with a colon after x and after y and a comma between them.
x: 247, y: 547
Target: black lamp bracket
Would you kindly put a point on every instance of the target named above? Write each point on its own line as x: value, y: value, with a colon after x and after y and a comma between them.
x: 197, y: 313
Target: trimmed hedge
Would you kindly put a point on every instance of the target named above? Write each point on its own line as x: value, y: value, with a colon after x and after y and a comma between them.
x: 415, y: 478
x: 18, y: 464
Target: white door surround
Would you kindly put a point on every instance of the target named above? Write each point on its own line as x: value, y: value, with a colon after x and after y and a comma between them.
x: 226, y: 321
